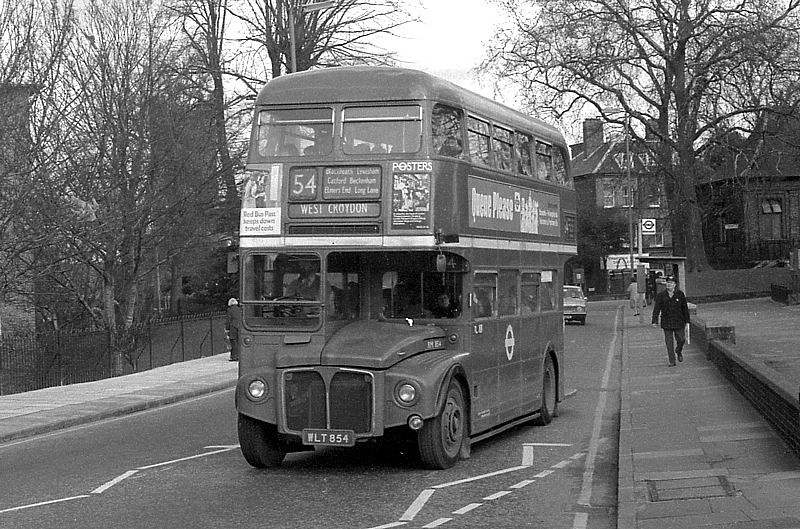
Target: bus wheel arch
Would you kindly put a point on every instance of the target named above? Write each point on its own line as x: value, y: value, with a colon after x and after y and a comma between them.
x: 548, y: 408
x: 444, y: 438
x: 260, y: 443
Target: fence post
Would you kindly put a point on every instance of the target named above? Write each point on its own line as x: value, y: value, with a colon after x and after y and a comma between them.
x: 211, y: 323
x: 183, y: 344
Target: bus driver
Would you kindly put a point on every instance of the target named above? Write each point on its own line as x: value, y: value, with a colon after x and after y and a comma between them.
x: 306, y: 286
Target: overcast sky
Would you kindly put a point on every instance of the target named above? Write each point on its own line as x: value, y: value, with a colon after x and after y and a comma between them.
x: 449, y: 41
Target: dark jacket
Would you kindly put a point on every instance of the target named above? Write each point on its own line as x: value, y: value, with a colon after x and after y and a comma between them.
x: 233, y: 320
x: 674, y: 311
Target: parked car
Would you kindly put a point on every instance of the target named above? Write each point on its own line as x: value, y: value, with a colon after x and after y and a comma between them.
x: 574, y: 304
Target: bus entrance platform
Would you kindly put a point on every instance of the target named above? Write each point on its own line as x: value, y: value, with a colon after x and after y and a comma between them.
x: 693, y: 452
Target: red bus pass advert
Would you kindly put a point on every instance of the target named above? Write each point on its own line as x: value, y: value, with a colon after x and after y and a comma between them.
x: 329, y: 437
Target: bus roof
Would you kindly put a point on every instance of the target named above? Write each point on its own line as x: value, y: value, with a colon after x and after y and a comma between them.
x: 351, y: 84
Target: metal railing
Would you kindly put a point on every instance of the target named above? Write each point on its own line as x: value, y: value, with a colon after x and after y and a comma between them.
x: 37, y: 361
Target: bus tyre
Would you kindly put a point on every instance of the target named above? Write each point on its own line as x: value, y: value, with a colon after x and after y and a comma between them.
x: 259, y: 443
x: 549, y: 405
x: 441, y: 438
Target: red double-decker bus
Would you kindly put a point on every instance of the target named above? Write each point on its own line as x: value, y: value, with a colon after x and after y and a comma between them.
x: 402, y: 246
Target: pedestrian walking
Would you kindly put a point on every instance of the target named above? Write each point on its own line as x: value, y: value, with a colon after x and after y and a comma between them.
x: 671, y: 306
x: 233, y: 321
x: 633, y: 292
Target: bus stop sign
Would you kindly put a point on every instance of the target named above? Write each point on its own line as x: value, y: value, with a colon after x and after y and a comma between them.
x: 648, y: 226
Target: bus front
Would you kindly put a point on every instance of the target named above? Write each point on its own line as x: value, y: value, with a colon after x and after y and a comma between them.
x: 352, y: 305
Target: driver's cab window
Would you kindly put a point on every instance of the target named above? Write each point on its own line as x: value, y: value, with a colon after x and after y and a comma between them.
x: 413, y: 288
x: 281, y: 290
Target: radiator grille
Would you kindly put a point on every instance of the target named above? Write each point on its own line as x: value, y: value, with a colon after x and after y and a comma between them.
x: 348, y: 395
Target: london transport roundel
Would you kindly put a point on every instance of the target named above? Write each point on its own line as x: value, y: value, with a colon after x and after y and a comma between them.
x: 509, y: 342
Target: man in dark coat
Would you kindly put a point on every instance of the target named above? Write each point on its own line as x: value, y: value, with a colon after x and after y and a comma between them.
x: 671, y: 305
x: 233, y: 321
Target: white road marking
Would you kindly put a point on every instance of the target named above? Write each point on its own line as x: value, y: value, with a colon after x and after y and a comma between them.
x: 476, y: 478
x: 523, y: 483
x: 465, y: 509
x: 418, y: 504
x: 165, y: 463
x: 41, y: 503
x: 388, y: 525
x: 104, y: 487
x: 527, y: 455
x: 436, y: 523
x: 577, y: 456
x: 581, y: 519
x: 562, y: 464
x: 497, y: 495
x: 212, y: 447
x: 543, y: 473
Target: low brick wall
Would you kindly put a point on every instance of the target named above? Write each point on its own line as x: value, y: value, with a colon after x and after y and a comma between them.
x: 771, y: 394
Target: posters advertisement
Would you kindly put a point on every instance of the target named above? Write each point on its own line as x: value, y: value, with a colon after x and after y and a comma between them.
x: 504, y: 207
x: 411, y: 197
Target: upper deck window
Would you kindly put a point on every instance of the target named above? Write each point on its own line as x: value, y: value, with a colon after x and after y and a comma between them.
x: 523, y: 159
x: 503, y: 145
x: 295, y: 132
x: 479, y: 141
x: 383, y: 129
x: 544, y: 161
x: 447, y: 134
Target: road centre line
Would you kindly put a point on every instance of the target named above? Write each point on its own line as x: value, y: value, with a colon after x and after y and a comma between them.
x: 476, y: 478
x: 389, y: 525
x: 465, y: 509
x: 523, y: 483
x: 41, y: 503
x: 543, y: 473
x: 204, y: 454
x: 497, y: 495
x: 107, y: 485
x: 436, y: 523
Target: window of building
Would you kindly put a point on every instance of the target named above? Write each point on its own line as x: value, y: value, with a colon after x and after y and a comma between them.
x: 608, y: 194
x: 770, y: 221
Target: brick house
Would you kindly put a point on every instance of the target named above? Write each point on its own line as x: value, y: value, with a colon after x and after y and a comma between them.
x: 751, y: 195
x: 17, y: 314
x: 601, y: 181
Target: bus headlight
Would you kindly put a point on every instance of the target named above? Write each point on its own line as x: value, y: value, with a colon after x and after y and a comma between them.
x: 406, y: 393
x: 257, y: 389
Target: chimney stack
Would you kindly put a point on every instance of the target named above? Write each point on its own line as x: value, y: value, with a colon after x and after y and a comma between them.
x: 592, y: 135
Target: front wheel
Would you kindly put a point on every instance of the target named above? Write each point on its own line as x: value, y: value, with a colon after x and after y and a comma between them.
x: 549, y: 392
x: 259, y: 443
x: 442, y: 437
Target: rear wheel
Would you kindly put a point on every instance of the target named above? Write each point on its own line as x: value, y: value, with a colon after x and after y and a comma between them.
x: 259, y: 443
x: 441, y: 438
x: 549, y: 403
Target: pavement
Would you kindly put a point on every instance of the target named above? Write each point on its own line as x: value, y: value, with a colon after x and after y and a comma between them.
x: 692, y: 453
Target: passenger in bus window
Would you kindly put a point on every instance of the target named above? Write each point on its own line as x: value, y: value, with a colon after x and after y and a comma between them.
x: 451, y: 147
x: 482, y: 304
x: 306, y: 286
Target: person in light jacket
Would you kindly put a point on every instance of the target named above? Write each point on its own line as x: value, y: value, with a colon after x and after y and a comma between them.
x: 673, y: 309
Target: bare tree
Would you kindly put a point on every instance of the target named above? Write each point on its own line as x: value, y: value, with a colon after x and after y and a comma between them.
x: 680, y: 69
x: 344, y: 33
